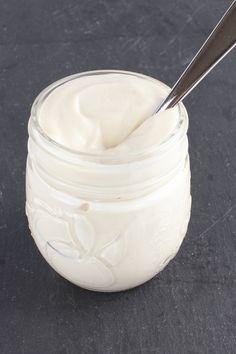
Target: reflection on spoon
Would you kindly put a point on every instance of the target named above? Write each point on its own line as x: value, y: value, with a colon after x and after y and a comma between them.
x: 220, y: 42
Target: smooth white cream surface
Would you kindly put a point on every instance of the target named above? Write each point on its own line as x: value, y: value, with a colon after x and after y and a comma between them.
x: 107, y: 113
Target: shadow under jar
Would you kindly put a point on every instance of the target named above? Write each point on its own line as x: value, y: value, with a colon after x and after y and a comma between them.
x: 107, y: 223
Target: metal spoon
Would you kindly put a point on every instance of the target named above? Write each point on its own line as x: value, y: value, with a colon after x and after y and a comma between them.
x: 220, y: 42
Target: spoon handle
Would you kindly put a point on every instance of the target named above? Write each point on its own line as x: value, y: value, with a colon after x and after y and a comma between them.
x: 217, y: 46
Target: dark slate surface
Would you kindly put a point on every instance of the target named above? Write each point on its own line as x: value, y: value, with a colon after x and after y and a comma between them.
x: 191, y: 306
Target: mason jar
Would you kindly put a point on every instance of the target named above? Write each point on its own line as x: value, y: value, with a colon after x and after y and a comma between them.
x: 107, y: 222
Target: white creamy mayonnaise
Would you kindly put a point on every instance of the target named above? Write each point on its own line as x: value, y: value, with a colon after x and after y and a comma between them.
x: 107, y: 113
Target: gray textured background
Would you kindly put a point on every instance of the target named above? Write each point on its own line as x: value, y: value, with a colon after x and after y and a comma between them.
x: 191, y: 306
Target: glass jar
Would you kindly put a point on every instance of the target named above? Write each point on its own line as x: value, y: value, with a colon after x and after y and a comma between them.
x: 107, y: 223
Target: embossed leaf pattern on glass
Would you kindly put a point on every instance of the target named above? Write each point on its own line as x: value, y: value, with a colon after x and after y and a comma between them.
x: 63, y: 249
x: 82, y: 232
x: 150, y: 250
x: 114, y: 252
x: 85, y: 271
x: 68, y: 244
x: 50, y: 228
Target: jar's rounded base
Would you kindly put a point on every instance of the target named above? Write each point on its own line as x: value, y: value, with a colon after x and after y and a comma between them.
x: 117, y: 290
x: 106, y: 271
x: 119, y: 286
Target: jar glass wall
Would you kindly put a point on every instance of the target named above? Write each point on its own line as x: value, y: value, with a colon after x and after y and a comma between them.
x: 107, y: 223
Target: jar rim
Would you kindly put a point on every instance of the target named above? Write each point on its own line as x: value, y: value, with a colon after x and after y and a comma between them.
x: 73, y: 154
